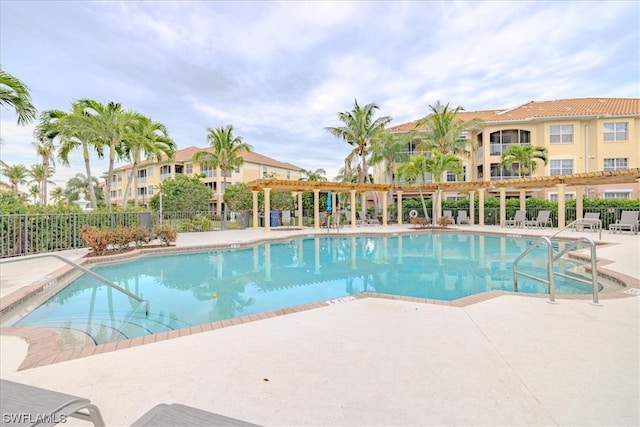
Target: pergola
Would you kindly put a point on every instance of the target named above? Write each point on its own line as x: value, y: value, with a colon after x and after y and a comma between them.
x: 579, y: 181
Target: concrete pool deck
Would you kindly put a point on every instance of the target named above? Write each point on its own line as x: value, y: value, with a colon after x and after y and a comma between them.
x: 509, y: 360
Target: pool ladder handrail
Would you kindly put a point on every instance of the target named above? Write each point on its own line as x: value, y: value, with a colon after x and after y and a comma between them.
x: 86, y: 271
x: 551, y: 259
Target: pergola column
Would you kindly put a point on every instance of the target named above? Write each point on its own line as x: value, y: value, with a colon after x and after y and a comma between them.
x: 579, y: 201
x: 399, y: 205
x: 363, y: 204
x: 481, y: 206
x: 503, y: 206
x: 472, y: 207
x: 523, y: 199
x: 384, y: 208
x: 300, y: 209
x: 256, y: 213
x: 267, y: 210
x: 561, y: 205
x: 352, y: 212
x: 316, y: 209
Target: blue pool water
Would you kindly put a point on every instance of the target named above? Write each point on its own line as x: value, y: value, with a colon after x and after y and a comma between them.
x: 200, y: 287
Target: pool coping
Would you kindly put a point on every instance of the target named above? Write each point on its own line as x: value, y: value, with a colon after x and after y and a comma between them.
x: 45, y: 346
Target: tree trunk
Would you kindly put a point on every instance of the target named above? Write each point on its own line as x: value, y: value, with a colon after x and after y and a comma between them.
x: 87, y: 165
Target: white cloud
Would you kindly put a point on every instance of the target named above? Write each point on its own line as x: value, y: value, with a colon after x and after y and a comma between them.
x: 281, y: 71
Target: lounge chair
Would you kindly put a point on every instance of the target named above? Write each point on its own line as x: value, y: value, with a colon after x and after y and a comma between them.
x: 518, y: 220
x: 373, y: 220
x: 628, y: 221
x: 361, y: 219
x: 181, y: 415
x: 542, y: 220
x: 591, y: 220
x: 30, y: 405
x: 286, y: 218
x: 449, y: 215
x: 463, y: 218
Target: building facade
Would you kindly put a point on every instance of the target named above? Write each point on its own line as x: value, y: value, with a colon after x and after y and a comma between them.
x: 580, y: 135
x: 152, y: 173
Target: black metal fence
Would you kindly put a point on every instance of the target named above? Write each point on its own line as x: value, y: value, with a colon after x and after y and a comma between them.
x: 27, y: 234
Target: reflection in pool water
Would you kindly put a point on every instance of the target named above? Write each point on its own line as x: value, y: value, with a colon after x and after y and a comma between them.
x: 200, y: 287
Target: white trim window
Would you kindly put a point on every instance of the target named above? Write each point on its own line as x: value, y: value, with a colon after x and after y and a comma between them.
x: 615, y: 132
x: 561, y: 134
x: 617, y: 194
x: 553, y: 197
x: 614, y: 164
x: 560, y: 167
x: 189, y: 168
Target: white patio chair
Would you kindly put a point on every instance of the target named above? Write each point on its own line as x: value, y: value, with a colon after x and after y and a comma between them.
x: 628, y: 222
x: 518, y: 220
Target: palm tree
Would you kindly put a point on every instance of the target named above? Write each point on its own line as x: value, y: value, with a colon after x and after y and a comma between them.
x: 316, y: 175
x: 40, y: 175
x: 46, y: 150
x: 74, y: 132
x: 360, y: 129
x: 14, y: 93
x: 79, y: 184
x: 226, y: 153
x: 419, y: 167
x: 58, y: 195
x: 34, y: 191
x: 444, y: 130
x: 109, y: 126
x: 415, y: 170
x: 16, y: 174
x: 525, y: 156
x: 390, y: 148
x: 150, y: 138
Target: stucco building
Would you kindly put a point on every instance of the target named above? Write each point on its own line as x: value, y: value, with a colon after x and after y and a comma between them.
x: 152, y: 173
x: 580, y: 135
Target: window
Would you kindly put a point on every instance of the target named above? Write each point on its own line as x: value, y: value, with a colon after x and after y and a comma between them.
x: 150, y: 171
x: 142, y: 191
x: 561, y: 134
x: 120, y: 194
x: 264, y: 171
x: 617, y: 194
x: 615, y: 132
x: 142, y: 176
x: 615, y: 164
x: 165, y: 172
x: 114, y: 179
x: 561, y: 167
x: 208, y: 171
x: 237, y: 170
x: 114, y: 194
x: 553, y: 197
x: 288, y: 174
x: 189, y: 168
x: 150, y: 190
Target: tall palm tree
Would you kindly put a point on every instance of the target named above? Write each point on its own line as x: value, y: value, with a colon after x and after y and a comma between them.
x: 16, y: 174
x: 360, y: 129
x: 109, y: 126
x: 41, y: 174
x: 74, y: 132
x: 316, y: 175
x: 419, y: 168
x: 149, y: 138
x: 14, y: 93
x: 226, y: 154
x: 46, y: 150
x: 34, y: 192
x: 525, y: 156
x: 58, y: 195
x: 390, y: 148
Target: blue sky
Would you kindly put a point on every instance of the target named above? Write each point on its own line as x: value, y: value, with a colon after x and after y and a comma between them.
x: 280, y: 72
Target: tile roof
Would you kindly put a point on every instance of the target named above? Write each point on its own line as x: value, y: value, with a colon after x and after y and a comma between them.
x: 577, y: 107
x: 186, y: 154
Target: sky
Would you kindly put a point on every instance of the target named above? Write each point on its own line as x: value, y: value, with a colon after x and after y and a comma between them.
x: 280, y: 72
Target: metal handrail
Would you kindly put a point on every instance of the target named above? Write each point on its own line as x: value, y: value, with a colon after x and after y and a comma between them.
x: 594, y: 277
x: 551, y: 259
x: 84, y: 270
x: 550, y: 282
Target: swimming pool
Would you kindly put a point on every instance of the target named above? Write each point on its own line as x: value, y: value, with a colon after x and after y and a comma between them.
x: 194, y: 288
